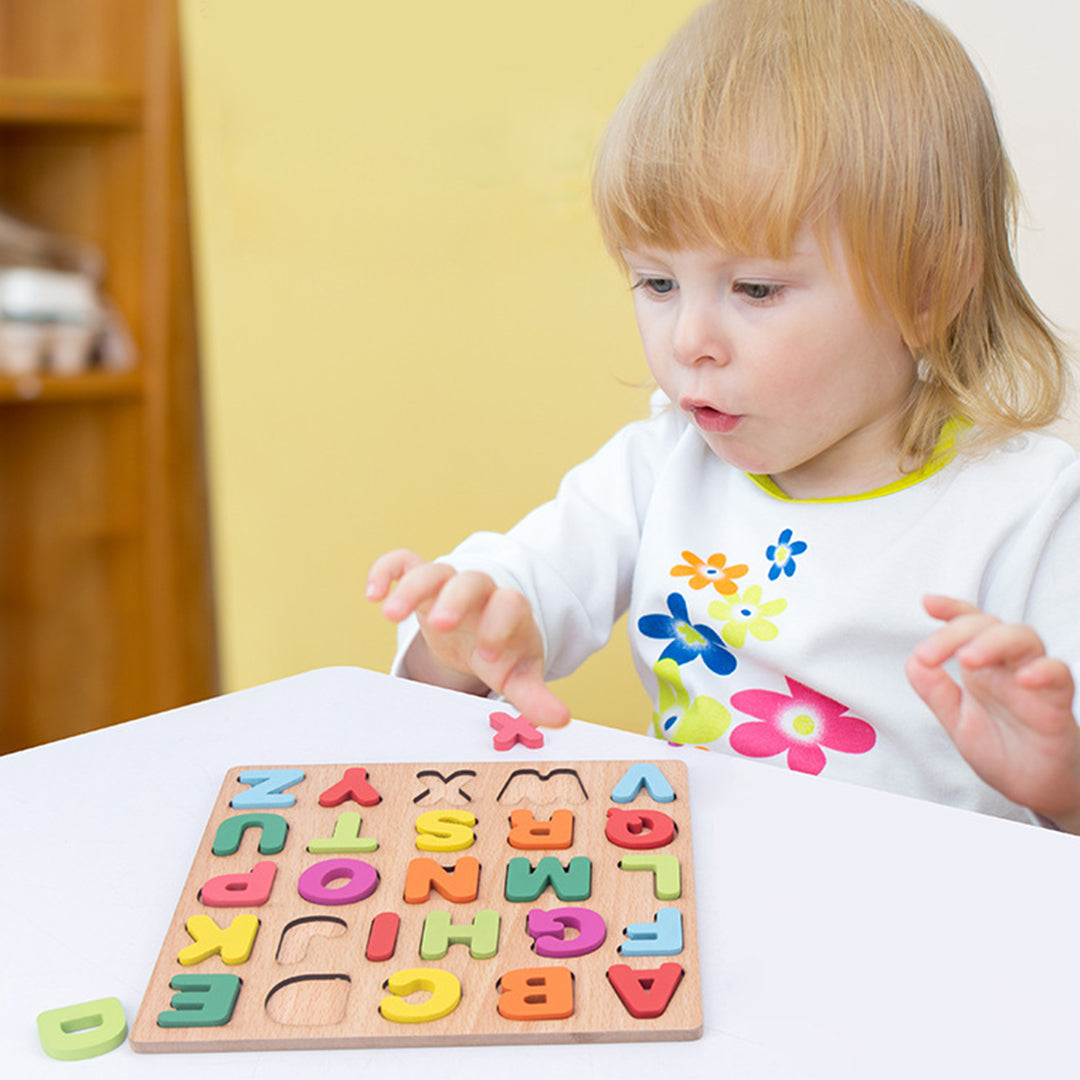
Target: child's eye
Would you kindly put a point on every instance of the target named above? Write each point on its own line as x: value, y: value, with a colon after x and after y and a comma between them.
x: 657, y: 285
x: 758, y: 290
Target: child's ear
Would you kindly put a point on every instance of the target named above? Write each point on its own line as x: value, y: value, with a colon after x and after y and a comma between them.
x: 952, y: 291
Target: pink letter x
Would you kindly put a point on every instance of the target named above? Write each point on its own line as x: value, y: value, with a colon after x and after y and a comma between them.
x: 515, y: 729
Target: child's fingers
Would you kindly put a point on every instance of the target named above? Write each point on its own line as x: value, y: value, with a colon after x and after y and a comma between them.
x: 1001, y: 643
x: 1047, y: 673
x: 387, y: 569
x: 935, y: 686
x: 418, y: 588
x: 462, y: 599
x: 510, y: 658
x: 947, y: 607
x: 508, y: 623
x: 954, y: 635
x: 536, y: 701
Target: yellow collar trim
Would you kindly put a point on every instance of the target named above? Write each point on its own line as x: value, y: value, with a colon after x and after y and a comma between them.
x: 943, y: 453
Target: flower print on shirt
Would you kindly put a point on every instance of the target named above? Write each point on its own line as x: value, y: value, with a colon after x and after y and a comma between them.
x: 688, y: 640
x: 680, y: 720
x: 746, y: 613
x: 800, y: 724
x: 782, y: 554
x: 712, y: 571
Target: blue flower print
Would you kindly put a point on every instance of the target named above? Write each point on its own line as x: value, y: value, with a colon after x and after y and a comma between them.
x: 782, y: 555
x: 688, y: 640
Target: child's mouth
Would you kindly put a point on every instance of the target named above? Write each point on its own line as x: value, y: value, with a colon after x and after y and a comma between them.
x: 712, y: 420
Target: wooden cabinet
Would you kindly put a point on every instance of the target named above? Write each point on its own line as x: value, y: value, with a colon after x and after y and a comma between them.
x: 105, y: 587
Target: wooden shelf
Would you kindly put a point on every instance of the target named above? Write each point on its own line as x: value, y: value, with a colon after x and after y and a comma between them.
x: 93, y: 386
x: 44, y: 101
x: 106, y: 601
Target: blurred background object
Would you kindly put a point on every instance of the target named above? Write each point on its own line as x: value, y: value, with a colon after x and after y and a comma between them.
x: 106, y: 605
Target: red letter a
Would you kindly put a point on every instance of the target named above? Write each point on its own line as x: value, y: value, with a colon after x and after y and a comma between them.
x: 646, y: 994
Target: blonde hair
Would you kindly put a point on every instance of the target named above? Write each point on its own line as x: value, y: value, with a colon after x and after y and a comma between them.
x: 764, y: 116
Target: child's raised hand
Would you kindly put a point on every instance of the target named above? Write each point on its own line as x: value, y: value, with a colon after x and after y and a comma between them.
x: 1011, y: 715
x: 474, y: 635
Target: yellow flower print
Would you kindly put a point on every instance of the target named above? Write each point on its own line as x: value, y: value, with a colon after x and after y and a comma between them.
x: 680, y: 720
x: 746, y: 613
x: 712, y: 571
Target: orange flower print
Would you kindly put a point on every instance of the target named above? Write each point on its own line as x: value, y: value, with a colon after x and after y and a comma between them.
x: 713, y: 571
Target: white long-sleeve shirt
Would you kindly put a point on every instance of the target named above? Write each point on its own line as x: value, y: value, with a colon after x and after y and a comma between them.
x: 777, y: 628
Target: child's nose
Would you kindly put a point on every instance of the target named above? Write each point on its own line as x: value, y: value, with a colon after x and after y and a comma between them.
x: 698, y: 336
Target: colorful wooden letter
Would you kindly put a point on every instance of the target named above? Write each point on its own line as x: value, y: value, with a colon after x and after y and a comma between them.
x: 240, y: 890
x: 233, y: 942
x: 346, y: 839
x: 459, y: 885
x: 549, y: 929
x: 382, y: 938
x: 266, y: 789
x: 524, y: 884
x: 203, y: 1000
x: 510, y: 730
x: 647, y: 775
x: 662, y: 937
x: 445, y: 830
x: 481, y: 935
x: 82, y: 1031
x: 545, y: 993
x: 274, y: 829
x: 528, y: 834
x: 353, y: 786
x: 444, y: 987
x: 667, y: 883
x: 360, y: 880
x: 639, y: 829
x: 646, y: 994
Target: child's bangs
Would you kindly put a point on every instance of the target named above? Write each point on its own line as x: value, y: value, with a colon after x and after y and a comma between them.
x: 678, y: 198
x: 718, y: 147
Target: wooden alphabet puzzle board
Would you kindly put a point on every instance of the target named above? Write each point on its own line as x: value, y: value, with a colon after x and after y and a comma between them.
x: 397, y: 905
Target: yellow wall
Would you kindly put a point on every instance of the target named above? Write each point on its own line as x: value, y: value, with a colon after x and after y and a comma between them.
x: 409, y: 327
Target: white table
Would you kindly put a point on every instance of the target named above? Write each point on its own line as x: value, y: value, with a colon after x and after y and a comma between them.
x: 843, y: 932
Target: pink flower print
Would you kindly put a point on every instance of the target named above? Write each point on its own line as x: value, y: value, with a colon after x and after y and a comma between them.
x: 801, y: 724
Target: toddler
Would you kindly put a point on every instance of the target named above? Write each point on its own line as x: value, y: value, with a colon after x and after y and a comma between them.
x: 843, y: 546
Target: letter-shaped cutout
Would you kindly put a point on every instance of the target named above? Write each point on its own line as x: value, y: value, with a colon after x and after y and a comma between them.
x: 481, y: 935
x: 202, y: 1001
x: 267, y: 787
x: 360, y: 879
x: 298, y: 934
x: 647, y: 775
x: 663, y: 937
x: 346, y: 839
x: 549, y: 929
x: 525, y: 884
x: 443, y: 986
x: 667, y: 882
x: 240, y: 890
x: 545, y: 993
x: 445, y: 830
x: 274, y: 829
x: 528, y: 834
x: 234, y: 942
x: 645, y: 994
x: 639, y: 830
x: 459, y: 885
x: 353, y: 786
x: 82, y: 1031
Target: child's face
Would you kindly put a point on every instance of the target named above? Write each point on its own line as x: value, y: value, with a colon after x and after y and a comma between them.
x: 777, y: 363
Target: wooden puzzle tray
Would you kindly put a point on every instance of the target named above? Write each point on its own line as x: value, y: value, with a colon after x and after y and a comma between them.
x: 414, y: 905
